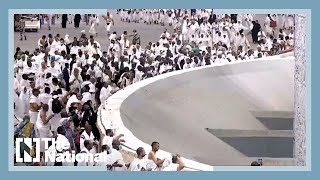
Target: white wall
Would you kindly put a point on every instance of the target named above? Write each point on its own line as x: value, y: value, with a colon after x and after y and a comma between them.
x: 267, y: 83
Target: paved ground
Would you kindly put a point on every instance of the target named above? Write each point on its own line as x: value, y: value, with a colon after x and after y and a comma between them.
x: 149, y: 33
x: 228, y: 115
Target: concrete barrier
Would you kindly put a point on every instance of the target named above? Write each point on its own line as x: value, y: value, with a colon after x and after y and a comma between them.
x: 175, y: 108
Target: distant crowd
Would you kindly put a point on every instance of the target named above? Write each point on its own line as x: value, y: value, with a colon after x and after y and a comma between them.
x: 60, y: 85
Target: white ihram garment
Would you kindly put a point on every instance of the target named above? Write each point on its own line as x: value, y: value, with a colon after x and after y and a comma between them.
x: 92, y: 29
x: 43, y: 130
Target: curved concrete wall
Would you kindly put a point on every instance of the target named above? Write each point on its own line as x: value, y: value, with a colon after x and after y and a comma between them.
x: 176, y: 108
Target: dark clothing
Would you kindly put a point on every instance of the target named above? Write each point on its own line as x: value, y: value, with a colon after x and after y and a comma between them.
x: 57, y: 163
x: 121, y: 70
x: 193, y: 11
x: 86, y: 117
x: 254, y: 32
x: 83, y: 74
x: 68, y: 48
x: 98, y: 89
x: 64, y: 20
x: 234, y: 18
x: 256, y: 27
x: 200, y: 21
x: 97, y: 96
x: 136, y: 39
x: 254, y: 37
x: 75, y: 42
x: 117, y: 78
x: 77, y: 19
x: 75, y: 118
x: 212, y: 18
x: 91, y: 117
x: 99, y: 85
x: 71, y: 64
x: 177, y: 67
x: 66, y: 77
x: 182, y: 64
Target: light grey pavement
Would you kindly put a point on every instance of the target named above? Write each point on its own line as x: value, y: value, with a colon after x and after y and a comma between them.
x: 212, y: 115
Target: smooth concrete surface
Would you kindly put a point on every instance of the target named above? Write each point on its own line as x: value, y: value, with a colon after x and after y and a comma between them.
x: 300, y: 89
x: 177, y: 110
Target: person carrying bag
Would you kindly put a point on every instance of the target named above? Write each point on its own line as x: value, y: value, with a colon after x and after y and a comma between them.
x: 273, y: 23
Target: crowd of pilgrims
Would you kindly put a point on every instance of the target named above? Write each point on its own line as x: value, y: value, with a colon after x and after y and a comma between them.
x: 60, y: 85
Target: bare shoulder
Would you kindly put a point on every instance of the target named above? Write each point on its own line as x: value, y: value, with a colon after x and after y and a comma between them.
x: 150, y: 155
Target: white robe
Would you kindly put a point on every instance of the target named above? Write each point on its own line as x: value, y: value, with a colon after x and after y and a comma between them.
x: 108, y: 27
x: 105, y: 93
x: 18, y: 111
x: 92, y: 29
x: 55, y: 121
x: 116, y: 156
x: 261, y: 35
x: 267, y: 24
x: 76, y: 83
x: 137, y: 164
x: 283, y: 21
x: 161, y: 18
x: 171, y: 167
x: 170, y: 19
x: 25, y: 98
x: 71, y: 100
x: 44, y: 98
x: 184, y: 27
x: 152, y: 165
x: 34, y: 115
x: 43, y: 128
x: 84, y: 136
x: 84, y: 163
x: 290, y: 21
x: 106, y: 161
